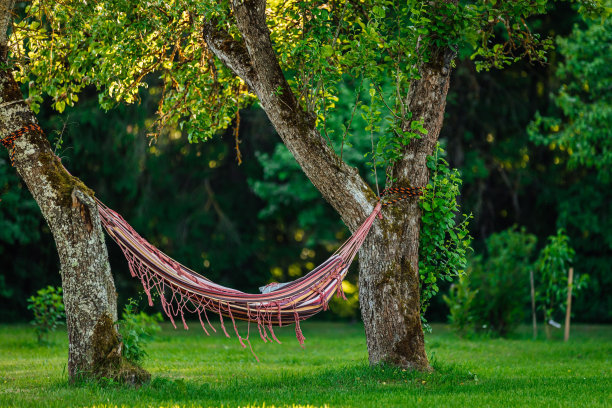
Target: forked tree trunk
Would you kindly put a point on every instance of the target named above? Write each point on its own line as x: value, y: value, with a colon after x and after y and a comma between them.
x: 68, y: 207
x: 389, y: 274
x: 389, y: 282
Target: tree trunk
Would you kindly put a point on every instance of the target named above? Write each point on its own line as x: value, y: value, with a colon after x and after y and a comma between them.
x: 68, y: 207
x: 389, y: 293
x: 389, y: 273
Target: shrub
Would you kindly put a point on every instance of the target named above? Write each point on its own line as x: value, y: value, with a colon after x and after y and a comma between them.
x: 495, y: 289
x: 48, y: 309
x: 136, y: 330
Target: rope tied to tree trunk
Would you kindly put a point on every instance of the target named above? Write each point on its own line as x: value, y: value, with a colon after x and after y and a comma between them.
x: 9, y: 141
x: 406, y: 192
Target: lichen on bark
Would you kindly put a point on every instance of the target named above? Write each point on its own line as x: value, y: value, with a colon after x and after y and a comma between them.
x: 62, y: 181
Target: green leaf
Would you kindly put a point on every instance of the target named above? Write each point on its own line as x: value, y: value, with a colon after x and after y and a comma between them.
x: 327, y: 51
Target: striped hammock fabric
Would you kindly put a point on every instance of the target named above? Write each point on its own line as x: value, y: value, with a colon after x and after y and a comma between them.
x: 182, y: 290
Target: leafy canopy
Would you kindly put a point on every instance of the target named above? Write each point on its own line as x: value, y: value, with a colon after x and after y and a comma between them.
x: 122, y: 46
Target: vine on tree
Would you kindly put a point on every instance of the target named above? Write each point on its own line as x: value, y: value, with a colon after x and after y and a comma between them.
x: 445, y: 239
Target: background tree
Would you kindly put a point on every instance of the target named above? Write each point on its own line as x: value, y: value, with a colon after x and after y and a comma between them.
x: 115, y: 46
x: 553, y: 266
x: 583, y: 104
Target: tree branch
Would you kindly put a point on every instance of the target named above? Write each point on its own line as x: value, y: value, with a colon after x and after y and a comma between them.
x: 426, y: 100
x: 6, y: 14
x: 255, y: 61
x: 231, y: 52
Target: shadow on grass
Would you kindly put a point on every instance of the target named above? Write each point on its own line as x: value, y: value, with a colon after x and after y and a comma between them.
x: 328, y: 385
x: 344, y: 385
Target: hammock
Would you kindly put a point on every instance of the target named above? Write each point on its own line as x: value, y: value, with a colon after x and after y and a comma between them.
x: 182, y: 290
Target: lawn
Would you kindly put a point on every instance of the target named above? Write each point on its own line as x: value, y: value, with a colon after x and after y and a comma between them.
x: 190, y: 369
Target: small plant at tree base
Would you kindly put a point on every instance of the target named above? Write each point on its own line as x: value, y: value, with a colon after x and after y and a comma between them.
x: 552, y: 266
x: 48, y: 308
x: 444, y: 240
x: 136, y: 330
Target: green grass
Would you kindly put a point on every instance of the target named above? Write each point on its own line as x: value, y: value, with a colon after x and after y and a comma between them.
x: 190, y: 369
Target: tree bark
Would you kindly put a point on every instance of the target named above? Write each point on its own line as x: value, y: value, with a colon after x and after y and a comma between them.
x: 68, y: 207
x: 389, y: 274
x: 389, y: 292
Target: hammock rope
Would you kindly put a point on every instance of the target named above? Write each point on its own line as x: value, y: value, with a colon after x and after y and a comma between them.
x: 9, y: 141
x: 182, y: 290
x: 406, y: 192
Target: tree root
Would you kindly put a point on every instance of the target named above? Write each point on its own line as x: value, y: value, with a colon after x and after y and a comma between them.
x: 108, y: 361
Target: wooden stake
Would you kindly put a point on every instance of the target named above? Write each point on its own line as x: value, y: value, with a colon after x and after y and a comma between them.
x: 533, y: 308
x: 568, y: 311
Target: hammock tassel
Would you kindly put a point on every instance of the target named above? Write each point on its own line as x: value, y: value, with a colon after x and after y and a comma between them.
x: 271, y: 314
x: 201, y: 322
x: 148, y: 292
x: 298, y: 331
x: 249, y: 341
x: 132, y: 272
x: 204, y: 305
x: 280, y: 320
x: 183, y: 318
x: 229, y: 310
x: 221, y: 319
x: 339, y: 288
x: 167, y: 310
x: 272, y: 333
x: 260, y: 325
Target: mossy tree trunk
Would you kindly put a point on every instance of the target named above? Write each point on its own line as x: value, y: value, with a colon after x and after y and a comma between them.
x: 389, y: 292
x: 68, y: 207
